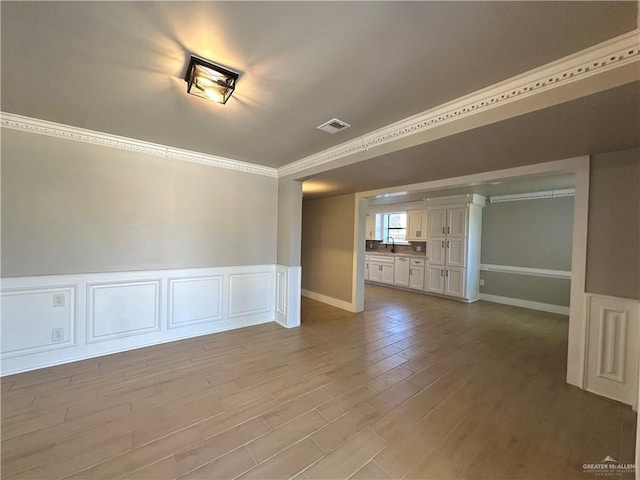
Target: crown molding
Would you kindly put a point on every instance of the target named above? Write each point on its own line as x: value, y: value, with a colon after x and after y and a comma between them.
x: 564, y: 192
x: 52, y: 129
x: 611, y: 54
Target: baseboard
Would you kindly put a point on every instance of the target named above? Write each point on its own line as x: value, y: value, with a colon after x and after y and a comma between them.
x: 334, y: 302
x: 29, y: 364
x: 517, y: 302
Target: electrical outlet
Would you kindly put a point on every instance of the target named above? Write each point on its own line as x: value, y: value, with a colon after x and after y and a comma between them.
x: 482, y: 282
x: 58, y: 299
x: 418, y: 248
x: 57, y: 334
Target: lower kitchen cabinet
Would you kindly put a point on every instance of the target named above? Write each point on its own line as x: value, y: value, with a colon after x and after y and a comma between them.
x: 401, y: 274
x: 446, y: 280
x: 416, y: 274
x: 381, y: 269
x: 387, y: 274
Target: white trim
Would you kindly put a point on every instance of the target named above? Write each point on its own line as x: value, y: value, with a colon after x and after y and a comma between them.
x: 611, y: 54
x: 67, y: 132
x: 464, y: 199
x: 517, y: 302
x: 579, y: 166
x: 172, y: 283
x: 334, y: 302
x: 534, y: 272
x: 112, y: 324
x: 635, y: 406
x: 577, y: 341
x: 397, y: 207
x: 92, y: 313
x: 359, y: 234
x: 71, y: 295
x: 608, y: 55
x: 287, y: 309
x: 565, y: 192
x: 612, y: 331
x: 565, y: 166
x: 236, y: 284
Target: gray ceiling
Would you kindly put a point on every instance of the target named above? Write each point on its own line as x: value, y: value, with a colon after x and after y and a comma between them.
x: 603, y: 122
x: 117, y: 67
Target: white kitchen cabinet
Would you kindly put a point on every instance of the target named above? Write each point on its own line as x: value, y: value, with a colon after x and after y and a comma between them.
x: 448, y: 251
x: 401, y: 272
x: 416, y: 225
x: 375, y: 272
x: 456, y: 252
x: 366, y: 267
x: 453, y: 248
x: 454, y: 282
x: 381, y: 269
x: 370, y: 226
x: 436, y: 251
x: 387, y: 274
x: 416, y: 274
x: 452, y: 221
x: 457, y: 221
x: 435, y: 279
x: 448, y: 281
x: 437, y: 224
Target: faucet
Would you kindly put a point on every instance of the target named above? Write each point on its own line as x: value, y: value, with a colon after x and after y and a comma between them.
x: 393, y: 244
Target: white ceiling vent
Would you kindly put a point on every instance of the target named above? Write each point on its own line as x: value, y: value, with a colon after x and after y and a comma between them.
x: 334, y: 125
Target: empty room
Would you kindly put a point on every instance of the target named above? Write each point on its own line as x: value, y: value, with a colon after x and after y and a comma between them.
x: 337, y: 240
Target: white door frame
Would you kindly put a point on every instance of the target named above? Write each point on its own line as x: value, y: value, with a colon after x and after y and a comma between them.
x: 579, y: 166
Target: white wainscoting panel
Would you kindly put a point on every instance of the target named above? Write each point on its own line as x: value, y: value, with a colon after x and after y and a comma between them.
x: 30, y: 316
x: 281, y: 291
x: 195, y: 300
x: 250, y: 293
x: 288, y: 291
x: 612, y: 348
x: 101, y: 313
x: 117, y: 310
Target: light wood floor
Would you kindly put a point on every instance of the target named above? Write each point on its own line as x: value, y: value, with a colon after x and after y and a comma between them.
x: 414, y: 387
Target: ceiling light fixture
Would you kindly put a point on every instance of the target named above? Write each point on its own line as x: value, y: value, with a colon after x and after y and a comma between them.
x: 208, y: 80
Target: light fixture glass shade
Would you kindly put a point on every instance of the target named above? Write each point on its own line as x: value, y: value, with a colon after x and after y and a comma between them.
x: 211, y: 81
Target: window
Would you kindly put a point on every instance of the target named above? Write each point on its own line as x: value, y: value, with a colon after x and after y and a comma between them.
x: 394, y: 225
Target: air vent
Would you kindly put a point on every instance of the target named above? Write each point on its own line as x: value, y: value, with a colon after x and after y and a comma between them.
x: 334, y: 125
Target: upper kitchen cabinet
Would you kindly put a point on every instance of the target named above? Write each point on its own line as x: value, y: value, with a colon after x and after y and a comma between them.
x: 417, y: 225
x: 371, y: 227
x: 449, y: 221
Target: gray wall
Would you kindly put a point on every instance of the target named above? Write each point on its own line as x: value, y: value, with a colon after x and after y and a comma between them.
x: 613, y: 240
x: 70, y: 207
x: 289, y: 222
x: 327, y: 246
x: 528, y: 233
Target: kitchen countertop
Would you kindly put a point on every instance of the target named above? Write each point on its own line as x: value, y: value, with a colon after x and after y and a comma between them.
x: 387, y: 254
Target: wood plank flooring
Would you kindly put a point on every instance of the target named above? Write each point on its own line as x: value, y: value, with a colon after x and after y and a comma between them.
x: 415, y: 387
